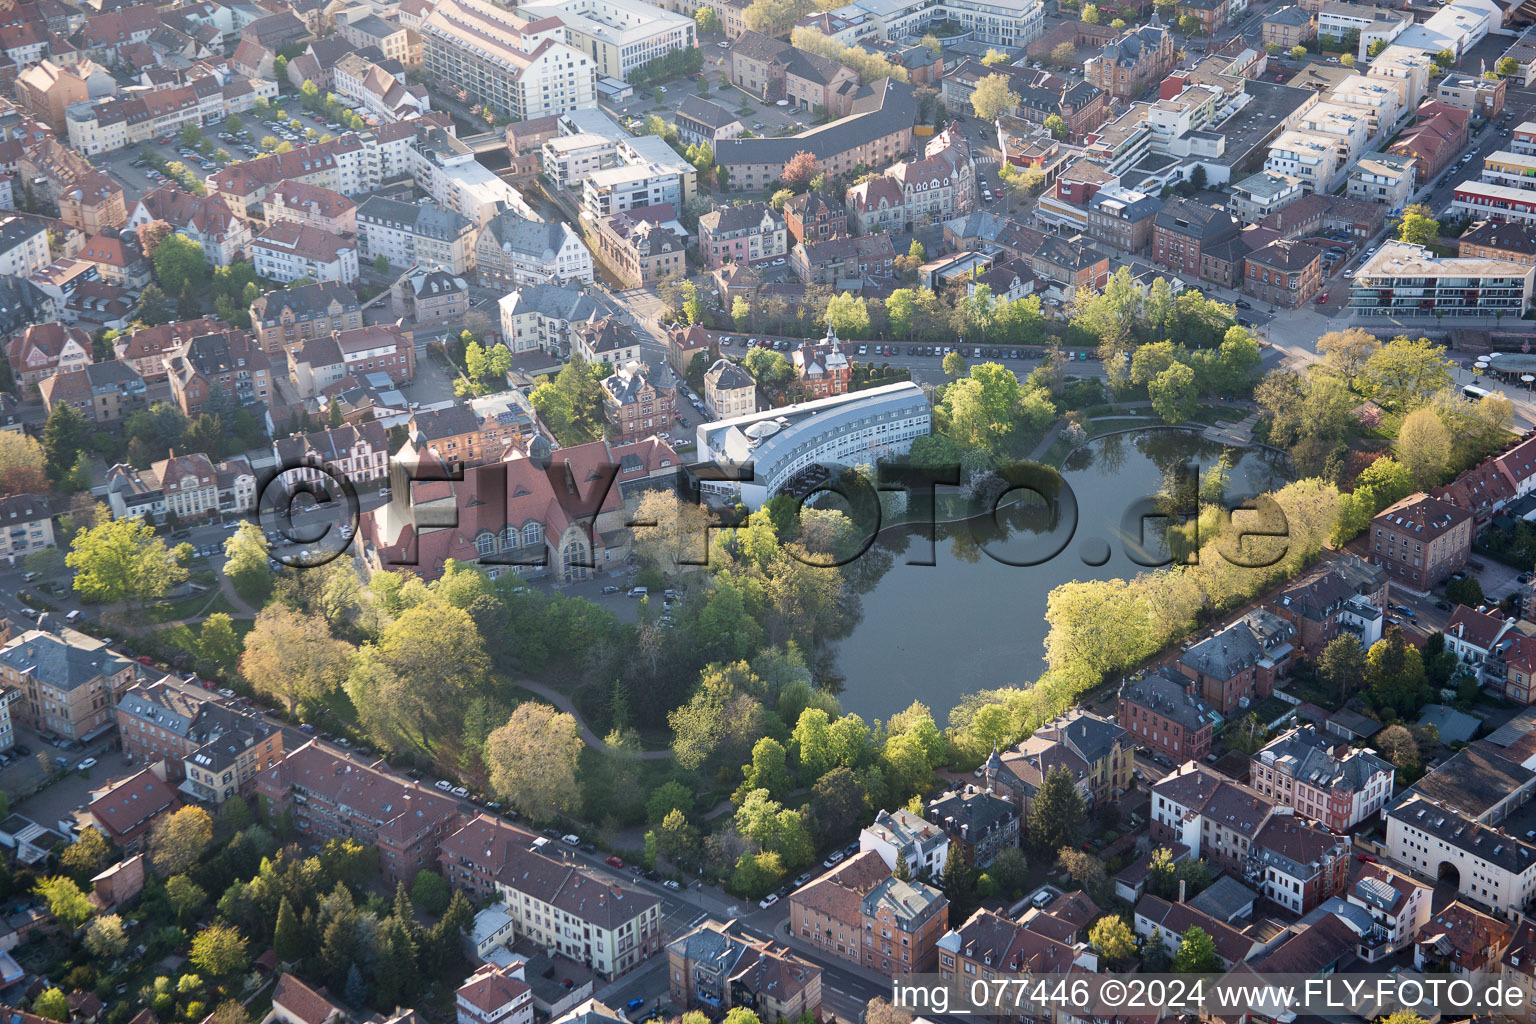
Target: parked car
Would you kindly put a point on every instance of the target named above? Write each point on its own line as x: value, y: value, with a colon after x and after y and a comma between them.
x: 634, y: 1004
x: 610, y: 589
x: 571, y: 839
x: 444, y: 785
x: 834, y: 860
x: 670, y: 884
x: 87, y: 764
x: 769, y: 900
x: 460, y: 792
x: 613, y: 861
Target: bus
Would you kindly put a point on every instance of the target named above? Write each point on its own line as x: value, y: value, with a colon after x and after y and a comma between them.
x: 1475, y: 393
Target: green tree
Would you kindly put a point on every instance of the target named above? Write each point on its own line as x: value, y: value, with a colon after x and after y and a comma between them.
x: 245, y: 562
x: 1342, y: 665
x: 292, y: 656
x: 120, y: 560
x: 768, y: 769
x: 289, y: 940
x: 220, y: 950
x: 992, y: 98
x: 430, y: 892
x: 217, y: 643
x: 179, y: 262
x: 1404, y: 373
x: 954, y: 365
x: 186, y: 896
x: 1057, y: 815
x: 177, y: 841
x: 1395, y: 672
x: 1298, y: 52
x: 1506, y: 66
x: 1057, y: 127
x: 86, y: 855
x: 1464, y: 590
x: 105, y: 937
x: 533, y: 760
x: 1113, y: 938
x: 741, y: 310
x: 1424, y: 447
x: 51, y: 1004
x: 1197, y: 953
x: 1173, y: 393
x: 706, y: 20
x: 65, y: 435
x: 66, y: 902
x: 848, y: 316
x: 1418, y: 225
x: 667, y: 797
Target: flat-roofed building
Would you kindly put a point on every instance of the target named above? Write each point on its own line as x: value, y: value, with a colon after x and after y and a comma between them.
x: 1386, y: 178
x: 1496, y: 202
x: 1514, y: 170
x: 1261, y: 194
x: 522, y: 67
x: 620, y: 35
x: 1406, y: 280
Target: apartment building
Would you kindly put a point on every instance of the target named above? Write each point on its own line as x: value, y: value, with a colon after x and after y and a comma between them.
x: 641, y: 252
x: 1509, y: 241
x: 741, y: 234
x: 1297, y: 865
x: 568, y: 160
x: 604, y: 925
x: 1495, y: 202
x: 522, y: 67
x: 349, y: 164
x: 42, y: 350
x: 422, y: 234
x: 1211, y: 14
x: 127, y: 812
x: 331, y: 795
x: 979, y: 824
x: 283, y: 318
x: 199, y: 739
x: 1098, y: 753
x: 1349, y: 597
x: 729, y: 390
x: 358, y: 452
x: 876, y: 132
x: 620, y: 35
x: 26, y: 525
x: 69, y: 682
x: 1318, y: 160
x: 538, y: 318
x: 1512, y: 170
x: 1184, y: 230
x: 103, y: 393
x: 1289, y: 26
x: 381, y: 89
x: 1122, y: 218
x: 318, y: 207
x: 1405, y: 280
x: 1216, y: 818
x: 1438, y: 135
x: 1322, y: 778
x: 1385, y: 178
x: 709, y: 967
x: 1241, y: 661
x: 903, y: 836
x: 513, y: 250
x: 1162, y: 711
x: 1283, y: 273
x: 473, y: 434
x: 318, y: 363
x: 223, y: 370
x: 1421, y: 540
x: 1127, y: 67
x: 1397, y: 903
x: 822, y: 367
x: 288, y: 250
x: 1335, y: 21
x: 207, y: 220
x: 1261, y: 194
x: 191, y: 486
x: 1481, y: 96
x: 23, y: 245
x: 494, y: 995
x: 814, y: 217
x: 771, y: 70
x: 634, y: 406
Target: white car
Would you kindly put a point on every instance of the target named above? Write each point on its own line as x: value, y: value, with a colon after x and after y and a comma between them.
x: 571, y: 840
x: 460, y: 791
x: 444, y: 785
x: 87, y: 764
x: 769, y: 900
x: 834, y: 860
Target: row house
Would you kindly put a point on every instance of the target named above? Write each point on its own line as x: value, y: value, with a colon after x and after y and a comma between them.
x: 207, y: 220
x: 1349, y: 596
x: 1162, y: 711
x: 1183, y: 229
x: 288, y: 250
x: 331, y: 795
x: 1216, y: 818
x: 316, y: 364
x: 713, y: 969
x: 1495, y: 202
x: 69, y: 682
x: 423, y: 234
x: 1097, y: 753
x: 358, y: 452
x: 218, y: 750
x: 989, y: 947
x: 1321, y: 778
x: 607, y: 926
x: 814, y: 216
x: 318, y: 207
x: 1158, y: 921
x: 1240, y: 662
x: 741, y: 234
x: 1513, y: 170
x: 289, y: 316
x: 843, y: 258
x: 641, y: 252
x: 222, y: 371
x: 42, y: 350
x: 103, y: 393
x: 182, y: 488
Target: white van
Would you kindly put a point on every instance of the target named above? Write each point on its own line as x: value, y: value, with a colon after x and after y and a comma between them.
x: 74, y: 616
x: 639, y: 591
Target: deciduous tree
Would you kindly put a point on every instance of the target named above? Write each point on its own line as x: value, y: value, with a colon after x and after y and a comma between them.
x: 292, y: 656
x: 120, y: 560
x: 992, y: 98
x: 178, y: 840
x: 220, y: 950
x: 1424, y: 447
x: 533, y: 759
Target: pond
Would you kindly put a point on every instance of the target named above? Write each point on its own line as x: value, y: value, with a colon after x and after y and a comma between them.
x: 969, y: 621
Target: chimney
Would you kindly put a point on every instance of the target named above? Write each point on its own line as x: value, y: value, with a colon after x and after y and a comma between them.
x: 1181, y: 890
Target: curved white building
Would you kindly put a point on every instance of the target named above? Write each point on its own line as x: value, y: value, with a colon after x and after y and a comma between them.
x: 844, y: 430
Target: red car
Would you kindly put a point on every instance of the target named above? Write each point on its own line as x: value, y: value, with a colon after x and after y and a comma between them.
x: 1322, y: 298
x: 613, y: 862
x: 1365, y: 858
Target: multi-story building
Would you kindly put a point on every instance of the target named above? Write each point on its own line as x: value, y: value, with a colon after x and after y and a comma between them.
x: 1289, y: 26
x: 649, y: 173
x: 1347, y: 597
x: 855, y: 256
x: 1241, y: 661
x: 729, y: 390
x: 1211, y: 14
x: 316, y: 364
x: 1481, y: 96
x: 876, y: 132
x: 814, y: 217
x: 281, y: 319
x: 903, y: 837
x: 207, y: 220
x: 146, y: 349
x: 1261, y: 194
x: 1509, y: 241
x: 23, y: 245
x: 521, y: 67
x: 104, y: 393
x: 635, y: 407
x: 199, y: 739
x: 1216, y: 818
x: 473, y: 434
x: 191, y: 487
x: 495, y: 994
x: 1183, y: 229
x: 225, y: 370
x: 539, y: 318
x: 701, y: 120
x: 127, y: 811
x: 1128, y: 66
x: 741, y: 234
x: 903, y: 922
x: 605, y: 340
x: 1122, y: 218
x: 358, y: 452
x: 430, y: 297
x: 393, y: 40
x: 1283, y: 273
x: 1098, y: 753
x: 1398, y: 904
x: 1421, y: 540
x: 1314, y: 158
x: 1297, y: 865
x: 1406, y: 280
x: 1335, y: 22
x: 1162, y: 711
x: 331, y: 795
x: 112, y: 122
x: 621, y: 35
x: 513, y: 250
x: 1386, y: 178
x: 641, y: 252
x: 44, y: 349
x: 1439, y: 133
x: 822, y: 367
x: 603, y: 924
x: 991, y: 943
x: 710, y: 967
x: 313, y: 205
x: 1512, y: 170
x: 1495, y: 202
x: 1322, y: 778
x: 380, y: 88
x: 979, y: 824
x: 839, y: 430
x: 288, y: 251
x: 69, y: 682
x: 568, y: 160
x: 771, y: 70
